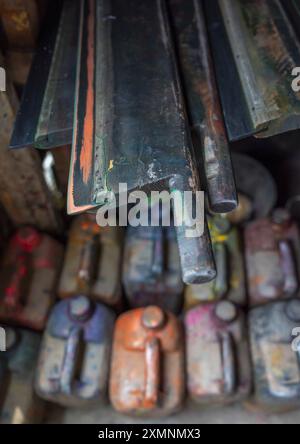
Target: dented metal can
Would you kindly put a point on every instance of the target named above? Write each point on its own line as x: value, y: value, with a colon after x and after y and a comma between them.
x: 18, y: 402
x: 147, y: 370
x: 93, y: 261
x: 151, y: 268
x: 230, y: 281
x: 217, y: 354
x: 275, y: 355
x: 272, y: 257
x: 75, y: 353
x: 28, y: 278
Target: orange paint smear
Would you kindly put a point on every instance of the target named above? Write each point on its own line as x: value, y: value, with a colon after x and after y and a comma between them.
x: 88, y: 129
x: 72, y: 208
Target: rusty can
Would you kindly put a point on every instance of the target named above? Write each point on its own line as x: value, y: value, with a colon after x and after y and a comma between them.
x: 75, y: 353
x: 272, y: 257
x: 151, y: 268
x: 28, y: 278
x: 275, y: 346
x: 19, y: 403
x: 230, y: 281
x: 217, y: 353
x: 93, y: 259
x: 147, y: 371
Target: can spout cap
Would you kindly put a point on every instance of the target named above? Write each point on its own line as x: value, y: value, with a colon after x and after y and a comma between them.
x: 153, y: 318
x: 281, y: 216
x: 226, y: 311
x: 80, y: 307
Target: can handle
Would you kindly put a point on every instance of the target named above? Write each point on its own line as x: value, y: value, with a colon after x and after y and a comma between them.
x: 87, y: 261
x: 69, y: 361
x: 152, y: 370
x: 221, y: 282
x: 288, y: 266
x: 13, y: 292
x: 229, y: 363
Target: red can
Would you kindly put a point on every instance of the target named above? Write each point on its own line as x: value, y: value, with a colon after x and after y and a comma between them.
x: 28, y: 278
x: 147, y: 370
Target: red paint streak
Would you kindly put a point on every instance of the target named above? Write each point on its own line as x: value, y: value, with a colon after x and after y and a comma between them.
x: 72, y: 208
x: 27, y: 239
x: 12, y: 293
x: 88, y: 129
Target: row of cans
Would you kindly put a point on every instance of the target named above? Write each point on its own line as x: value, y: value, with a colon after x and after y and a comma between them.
x: 147, y: 360
x: 172, y: 340
x: 253, y: 269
